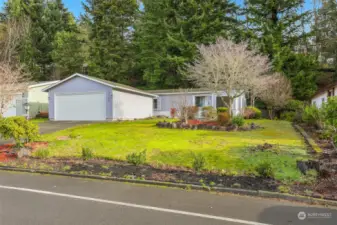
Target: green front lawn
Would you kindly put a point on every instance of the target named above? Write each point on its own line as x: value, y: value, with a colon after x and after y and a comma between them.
x: 228, y: 152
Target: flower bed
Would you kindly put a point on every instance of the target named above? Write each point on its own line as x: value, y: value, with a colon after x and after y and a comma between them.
x: 206, y: 125
x: 9, y: 152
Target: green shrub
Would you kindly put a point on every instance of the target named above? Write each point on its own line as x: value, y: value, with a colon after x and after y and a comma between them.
x: 284, y: 189
x: 313, y: 116
x: 265, y: 169
x: 87, y: 153
x: 199, y: 162
x: 42, y: 153
x: 329, y: 111
x: 252, y: 113
x: 238, y: 121
x: 136, y: 158
x: 294, y: 105
x: 223, y: 118
x: 288, y: 116
x: 19, y: 129
x: 209, y: 113
x: 222, y: 109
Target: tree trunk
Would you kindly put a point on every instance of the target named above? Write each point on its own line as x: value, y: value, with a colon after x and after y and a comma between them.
x: 230, y: 107
x: 271, y: 114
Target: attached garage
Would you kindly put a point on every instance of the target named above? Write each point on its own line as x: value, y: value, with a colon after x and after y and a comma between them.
x: 85, y: 98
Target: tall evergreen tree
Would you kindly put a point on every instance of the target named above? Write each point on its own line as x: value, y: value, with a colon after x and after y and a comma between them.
x: 111, y: 24
x: 46, y: 18
x: 326, y: 31
x: 277, y: 28
x: 169, y: 30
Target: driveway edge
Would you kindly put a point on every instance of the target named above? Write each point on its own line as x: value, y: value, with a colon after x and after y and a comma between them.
x: 263, y: 194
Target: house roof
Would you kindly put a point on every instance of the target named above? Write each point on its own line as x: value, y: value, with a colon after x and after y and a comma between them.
x: 179, y: 91
x: 324, y: 89
x: 42, y: 83
x: 104, y: 82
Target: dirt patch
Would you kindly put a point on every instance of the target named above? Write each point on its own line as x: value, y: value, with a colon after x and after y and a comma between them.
x: 8, y: 152
x: 125, y: 170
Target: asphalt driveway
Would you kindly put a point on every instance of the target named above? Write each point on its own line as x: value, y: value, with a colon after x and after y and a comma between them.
x: 50, y: 127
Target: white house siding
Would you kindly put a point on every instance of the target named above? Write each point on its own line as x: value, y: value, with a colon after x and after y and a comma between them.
x: 319, y: 99
x: 36, y: 94
x: 38, y: 100
x: 12, y: 109
x: 168, y: 101
x: 130, y: 106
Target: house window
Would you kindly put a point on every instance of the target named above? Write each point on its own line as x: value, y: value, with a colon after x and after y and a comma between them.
x: 155, y: 104
x: 323, y: 100
x: 200, y: 101
x: 314, y: 103
x: 331, y: 92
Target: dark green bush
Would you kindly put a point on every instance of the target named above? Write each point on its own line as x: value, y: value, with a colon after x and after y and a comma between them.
x: 265, y: 169
x: 238, y: 121
x: 252, y: 113
x: 42, y: 153
x: 136, y: 158
x: 87, y: 153
x: 222, y: 109
x: 19, y: 129
x: 288, y: 116
x: 199, y: 162
x: 294, y: 105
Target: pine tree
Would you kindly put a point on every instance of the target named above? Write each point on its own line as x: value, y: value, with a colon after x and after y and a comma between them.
x: 169, y: 31
x: 46, y: 19
x: 111, y: 24
x: 326, y: 30
x: 277, y: 28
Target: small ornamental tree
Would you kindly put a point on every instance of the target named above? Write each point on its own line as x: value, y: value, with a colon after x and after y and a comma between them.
x: 184, y: 107
x: 12, y: 83
x: 278, y: 93
x: 227, y: 67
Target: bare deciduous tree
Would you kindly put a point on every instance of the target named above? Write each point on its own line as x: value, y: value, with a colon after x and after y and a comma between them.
x: 12, y: 32
x: 227, y: 67
x: 183, y: 105
x: 12, y: 83
x: 277, y: 94
x: 258, y: 85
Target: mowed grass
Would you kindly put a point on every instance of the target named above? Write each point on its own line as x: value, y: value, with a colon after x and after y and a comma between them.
x: 228, y: 152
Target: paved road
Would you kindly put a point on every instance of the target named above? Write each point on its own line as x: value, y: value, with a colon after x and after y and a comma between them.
x: 51, y: 200
x: 50, y: 127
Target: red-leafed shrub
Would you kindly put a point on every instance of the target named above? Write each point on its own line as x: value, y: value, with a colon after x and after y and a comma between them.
x: 223, y: 118
x: 252, y: 113
x: 173, y: 112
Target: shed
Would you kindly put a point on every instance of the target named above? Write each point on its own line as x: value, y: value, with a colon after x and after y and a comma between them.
x: 85, y: 98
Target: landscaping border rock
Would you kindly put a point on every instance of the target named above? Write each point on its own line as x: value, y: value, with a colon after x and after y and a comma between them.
x: 202, y: 126
x: 309, y: 141
x: 263, y: 194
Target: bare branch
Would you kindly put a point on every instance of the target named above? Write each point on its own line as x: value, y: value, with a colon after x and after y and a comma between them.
x: 277, y: 94
x: 227, y: 67
x: 12, y: 83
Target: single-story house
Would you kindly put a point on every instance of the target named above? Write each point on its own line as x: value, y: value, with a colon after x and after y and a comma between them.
x: 34, y: 98
x: 323, y: 94
x: 171, y: 98
x: 85, y: 98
